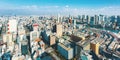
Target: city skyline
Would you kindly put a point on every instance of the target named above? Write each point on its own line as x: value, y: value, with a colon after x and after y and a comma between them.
x: 81, y: 37
x: 63, y: 7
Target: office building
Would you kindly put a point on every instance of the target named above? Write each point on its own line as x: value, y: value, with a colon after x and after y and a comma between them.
x: 12, y: 26
x: 96, y: 20
x: 74, y: 23
x: 46, y: 35
x: 7, y: 38
x: 21, y: 30
x: 38, y: 47
x: 54, y: 28
x: 95, y: 47
x: 101, y: 19
x: 88, y: 19
x: 118, y: 20
x: 83, y: 18
x: 65, y: 50
x: 92, y: 21
x: 24, y: 47
x: 79, y: 17
x: 52, y: 40
x: 70, y: 21
x: 35, y: 27
x: 58, y: 18
x: 34, y: 35
x: 59, y: 30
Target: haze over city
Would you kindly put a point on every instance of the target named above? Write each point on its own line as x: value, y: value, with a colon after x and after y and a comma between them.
x: 63, y: 7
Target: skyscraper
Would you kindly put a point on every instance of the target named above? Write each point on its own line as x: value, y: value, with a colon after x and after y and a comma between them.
x: 92, y: 20
x: 34, y: 35
x: 96, y: 20
x: 52, y: 39
x: 118, y: 20
x: 59, y: 30
x: 12, y: 26
x: 101, y: 19
x: 7, y: 38
x: 88, y: 19
x: 58, y: 18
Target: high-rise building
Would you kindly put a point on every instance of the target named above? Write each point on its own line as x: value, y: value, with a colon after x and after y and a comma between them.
x: 7, y: 38
x: 54, y: 28
x: 0, y: 28
x: 12, y: 26
x: 79, y: 17
x: 88, y: 19
x: 35, y: 27
x: 74, y: 23
x: 34, y: 35
x: 91, y: 20
x: 95, y: 47
x: 58, y: 18
x: 21, y: 30
x: 46, y: 35
x: 114, y: 24
x: 59, y: 30
x: 24, y: 46
x: 52, y: 40
x: 70, y: 21
x: 118, y: 20
x: 112, y: 18
x: 66, y: 50
x: 96, y: 20
x: 83, y: 18
x: 102, y: 20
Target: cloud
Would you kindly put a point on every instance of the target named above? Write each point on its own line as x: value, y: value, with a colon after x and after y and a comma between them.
x: 63, y: 10
x: 67, y: 6
x: 29, y: 7
x: 111, y: 10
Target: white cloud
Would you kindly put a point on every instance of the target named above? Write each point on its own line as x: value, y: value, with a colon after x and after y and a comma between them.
x: 66, y: 10
x: 67, y: 6
x: 31, y: 7
x: 110, y: 10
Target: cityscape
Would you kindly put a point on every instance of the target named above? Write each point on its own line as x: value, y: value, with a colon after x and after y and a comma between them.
x: 46, y: 31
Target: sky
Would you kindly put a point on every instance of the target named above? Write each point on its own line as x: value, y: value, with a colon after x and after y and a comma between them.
x: 63, y: 7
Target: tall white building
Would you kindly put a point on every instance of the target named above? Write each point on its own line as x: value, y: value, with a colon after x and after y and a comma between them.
x: 7, y: 38
x: 34, y: 35
x: 58, y: 18
x: 12, y: 26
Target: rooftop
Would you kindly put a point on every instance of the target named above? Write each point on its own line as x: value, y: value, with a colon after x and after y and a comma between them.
x: 66, y: 45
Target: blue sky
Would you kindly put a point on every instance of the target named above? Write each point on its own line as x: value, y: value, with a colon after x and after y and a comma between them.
x: 75, y: 7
